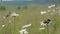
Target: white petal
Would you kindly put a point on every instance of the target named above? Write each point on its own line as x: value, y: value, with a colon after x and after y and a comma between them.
x: 43, y: 12
x: 25, y: 26
x: 42, y: 28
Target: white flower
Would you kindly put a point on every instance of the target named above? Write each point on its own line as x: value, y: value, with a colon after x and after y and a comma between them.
x: 42, y: 28
x: 14, y: 14
x: 49, y: 6
x: 25, y: 26
x: 53, y: 5
x: 23, y: 31
x: 42, y: 24
x: 3, y: 25
x: 43, y: 12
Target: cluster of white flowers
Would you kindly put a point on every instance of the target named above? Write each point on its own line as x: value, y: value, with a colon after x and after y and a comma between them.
x: 42, y: 24
x: 51, y: 6
x: 23, y: 31
x: 43, y: 12
x: 25, y: 26
x: 14, y: 14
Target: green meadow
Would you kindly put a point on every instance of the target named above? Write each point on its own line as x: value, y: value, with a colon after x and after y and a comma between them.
x: 29, y: 15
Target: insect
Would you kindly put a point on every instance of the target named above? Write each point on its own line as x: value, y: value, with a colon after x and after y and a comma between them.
x: 47, y: 21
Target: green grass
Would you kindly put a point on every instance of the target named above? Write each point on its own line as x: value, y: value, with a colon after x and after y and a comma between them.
x: 30, y: 15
